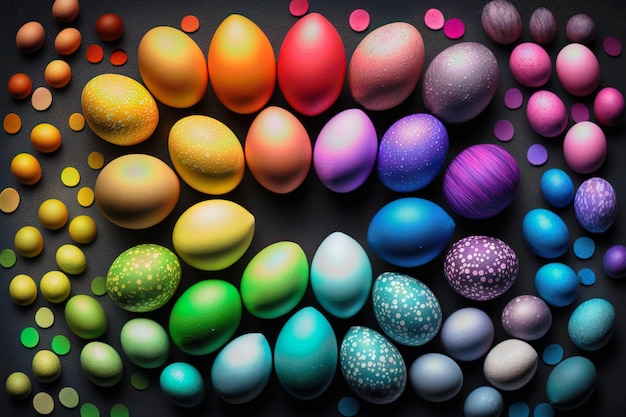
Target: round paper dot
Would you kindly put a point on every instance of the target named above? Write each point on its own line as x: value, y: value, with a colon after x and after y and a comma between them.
x: 7, y: 258
x: 95, y: 160
x: 118, y: 57
x: 43, y: 403
x: 70, y: 177
x: 612, y: 46
x: 348, y: 406
x: 89, y: 410
x: 77, y: 122
x: 9, y: 200
x: 99, y: 286
x: 120, y: 410
x: 503, y: 130
x: 41, y: 99
x: 359, y: 20
x: 68, y: 397
x: 94, y: 53
x: 579, y: 112
x: 543, y: 410
x: 454, y: 28
x: 584, y: 247
x: 298, y: 8
x: 586, y: 276
x: 61, y: 345
x: 44, y: 317
x: 434, y: 19
x: 139, y: 381
x: 553, y: 354
x: 85, y: 196
x: 513, y: 98
x: 519, y: 409
x: 12, y: 123
x: 537, y: 154
x: 190, y: 24
x: 29, y: 337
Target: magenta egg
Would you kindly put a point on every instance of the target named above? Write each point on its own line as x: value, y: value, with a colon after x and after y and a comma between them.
x: 584, y: 147
x: 501, y: 21
x: 530, y: 64
x: 546, y: 113
x: 526, y: 317
x: 542, y: 25
x: 608, y: 106
x: 595, y: 205
x: 578, y: 69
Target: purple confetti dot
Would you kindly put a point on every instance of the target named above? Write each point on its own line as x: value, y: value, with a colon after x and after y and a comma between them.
x: 454, y: 28
x: 612, y: 46
x: 537, y: 154
x: 504, y: 130
x: 513, y: 98
x: 579, y: 112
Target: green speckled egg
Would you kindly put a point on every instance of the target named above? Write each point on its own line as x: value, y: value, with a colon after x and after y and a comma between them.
x: 144, y: 277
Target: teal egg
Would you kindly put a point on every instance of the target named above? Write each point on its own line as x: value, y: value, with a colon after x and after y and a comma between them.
x: 306, y: 354
x: 591, y: 324
x: 571, y: 383
x: 182, y: 383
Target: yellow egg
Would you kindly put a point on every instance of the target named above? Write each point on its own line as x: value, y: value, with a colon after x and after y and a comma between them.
x: 119, y: 109
x: 28, y: 241
x: 46, y: 366
x: 83, y: 229
x: 206, y: 154
x: 71, y: 259
x: 18, y: 386
x: 55, y: 286
x: 172, y: 66
x: 23, y: 290
x: 26, y: 168
x: 53, y: 214
x: 45, y: 137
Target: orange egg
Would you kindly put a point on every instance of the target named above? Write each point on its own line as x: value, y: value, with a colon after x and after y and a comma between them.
x: 58, y: 73
x: 242, y: 65
x: 65, y: 11
x: 45, y: 137
x: 67, y: 41
x: 26, y: 168
x: 20, y: 86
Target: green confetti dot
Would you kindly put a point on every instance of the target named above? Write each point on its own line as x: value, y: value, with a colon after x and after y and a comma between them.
x: 61, y: 345
x: 120, y: 410
x: 139, y: 381
x: 89, y: 410
x: 7, y: 258
x: 29, y: 337
x: 44, y: 317
x: 68, y: 397
x: 99, y: 286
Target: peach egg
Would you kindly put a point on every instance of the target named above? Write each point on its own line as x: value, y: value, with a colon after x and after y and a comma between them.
x: 67, y: 41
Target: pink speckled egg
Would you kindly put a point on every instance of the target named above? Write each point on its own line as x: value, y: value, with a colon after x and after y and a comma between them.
x: 526, y: 317
x: 584, y: 147
x: 480, y: 267
x: 530, y: 64
x: 608, y: 106
x: 345, y: 151
x: 578, y: 69
x: 546, y: 114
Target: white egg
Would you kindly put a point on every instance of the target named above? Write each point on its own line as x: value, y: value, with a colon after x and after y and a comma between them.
x: 510, y: 364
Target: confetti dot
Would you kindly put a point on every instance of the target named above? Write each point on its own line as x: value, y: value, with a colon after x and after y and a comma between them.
x: 95, y: 160
x: 552, y: 354
x: 359, y: 20
x: 543, y: 410
x: 68, y: 397
x: 85, y: 196
x: 89, y: 410
x: 12, y: 123
x: 537, y: 154
x: 29, y: 337
x: 7, y: 258
x: 41, y: 99
x: 9, y: 200
x: 519, y: 409
x: 348, y: 406
x: 139, y: 381
x: 298, y: 8
x: 61, y: 345
x: 190, y: 24
x: 118, y: 57
x: 77, y: 122
x: 454, y: 28
x: 94, y: 53
x: 503, y: 130
x: 434, y: 19
x: 612, y: 46
x: 43, y: 403
x: 513, y: 98
x: 70, y: 177
x: 584, y: 247
x: 44, y: 317
x: 99, y: 286
x: 579, y: 112
x: 120, y: 410
x: 586, y: 276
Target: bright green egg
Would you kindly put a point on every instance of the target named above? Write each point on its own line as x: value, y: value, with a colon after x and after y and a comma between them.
x: 144, y: 277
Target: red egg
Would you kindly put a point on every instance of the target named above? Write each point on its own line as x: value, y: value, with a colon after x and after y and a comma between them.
x: 311, y: 65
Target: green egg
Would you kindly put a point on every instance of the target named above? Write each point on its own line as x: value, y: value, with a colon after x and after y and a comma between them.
x: 144, y: 277
x: 18, y: 386
x: 145, y: 342
x: 101, y: 363
x: 85, y: 316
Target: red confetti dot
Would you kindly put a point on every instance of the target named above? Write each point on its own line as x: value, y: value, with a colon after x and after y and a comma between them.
x: 190, y: 24
x: 612, y: 46
x: 298, y: 8
x: 359, y: 20
x: 94, y: 53
x: 434, y: 19
x: 118, y: 57
x: 454, y: 28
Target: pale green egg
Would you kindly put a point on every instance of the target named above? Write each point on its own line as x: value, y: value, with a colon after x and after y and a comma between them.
x: 145, y: 342
x: 101, y: 363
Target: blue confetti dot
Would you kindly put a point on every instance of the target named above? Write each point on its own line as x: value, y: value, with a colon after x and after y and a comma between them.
x: 519, y: 409
x: 553, y: 354
x: 584, y: 247
x: 587, y: 276
x: 348, y: 406
x: 543, y: 410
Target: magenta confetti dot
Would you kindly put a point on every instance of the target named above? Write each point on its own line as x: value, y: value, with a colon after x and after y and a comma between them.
x: 503, y: 130
x: 298, y: 8
x: 513, y: 98
x: 579, y: 112
x: 359, y: 20
x: 434, y: 19
x: 612, y: 46
x: 537, y: 154
x: 454, y: 28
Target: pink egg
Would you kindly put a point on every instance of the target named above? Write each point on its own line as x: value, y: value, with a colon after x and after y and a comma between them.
x: 584, y: 147
x: 608, y: 106
x: 578, y: 69
x: 530, y: 64
x: 546, y: 113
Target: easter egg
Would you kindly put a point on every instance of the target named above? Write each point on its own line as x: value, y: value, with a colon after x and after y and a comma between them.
x: 526, y: 317
x: 460, y: 82
x: 591, y: 324
x: 344, y: 153
x: 145, y: 342
x: 614, y: 261
x: 406, y: 309
x: 571, y: 383
x: 409, y: 231
x: 71, y: 259
x: 278, y: 150
x: 242, y: 369
x: 275, y: 280
x: 545, y: 233
x: 557, y: 187
x: 542, y: 25
x: 172, y: 66
x: 28, y: 241
x: 119, y: 109
x: 510, y: 364
x: 595, y: 205
x: 341, y: 275
x: 183, y: 384
x: 205, y: 316
x: 481, y: 181
x: 436, y: 377
x: 45, y: 137
x: 501, y: 21
x: 206, y: 154
x: 546, y: 113
x: 46, y: 366
x: 557, y: 284
x: 212, y: 235
x: 53, y: 214
x: 412, y: 152
x: 242, y: 66
x: 467, y: 334
x: 577, y: 69
x: 481, y: 267
x: 26, y: 168
x: 136, y: 191
x: 609, y: 106
x: 23, y: 290
x: 101, y: 364
x: 85, y: 316
x: 311, y: 66
x: 306, y: 354
x: 386, y: 66
x: 373, y: 380
x: 18, y: 386
x: 585, y: 147
x: 530, y: 64
x: 484, y: 401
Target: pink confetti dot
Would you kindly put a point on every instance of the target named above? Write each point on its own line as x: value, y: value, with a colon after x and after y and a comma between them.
x: 612, y: 46
x: 513, y: 98
x: 434, y: 19
x: 359, y: 20
x: 454, y: 28
x: 537, y: 154
x: 503, y: 130
x: 298, y: 8
x: 579, y: 112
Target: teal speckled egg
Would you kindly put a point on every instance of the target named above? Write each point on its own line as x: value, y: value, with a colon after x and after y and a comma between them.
x: 182, y: 384
x: 591, y: 324
x: 571, y: 383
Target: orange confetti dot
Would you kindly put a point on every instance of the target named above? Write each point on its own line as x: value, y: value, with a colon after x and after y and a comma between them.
x: 85, y: 196
x: 94, y: 53
x: 95, y: 160
x: 41, y: 99
x: 12, y: 123
x: 190, y: 24
x: 77, y: 122
x: 9, y: 200
x: 118, y: 57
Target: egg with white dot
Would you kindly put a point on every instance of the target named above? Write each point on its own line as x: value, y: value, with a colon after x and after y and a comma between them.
x: 595, y: 205
x: 591, y: 324
x: 526, y: 317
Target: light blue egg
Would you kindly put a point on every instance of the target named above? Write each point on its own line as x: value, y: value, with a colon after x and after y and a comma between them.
x: 591, y: 324
x: 557, y: 284
x: 242, y: 368
x: 436, y: 377
x: 467, y: 334
x: 545, y: 233
x: 483, y: 401
x: 306, y: 354
x: 372, y: 366
x: 571, y: 383
x: 557, y: 187
x: 341, y: 275
x: 183, y: 384
x: 410, y: 231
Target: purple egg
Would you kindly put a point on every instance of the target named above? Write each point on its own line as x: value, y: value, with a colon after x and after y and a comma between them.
x: 526, y: 317
x: 580, y: 28
x: 542, y: 25
x: 530, y: 64
x: 481, y: 181
x: 614, y: 261
x: 480, y: 267
x: 412, y: 152
x: 595, y: 205
x: 344, y: 154
x: 460, y: 82
x: 501, y: 21
x: 546, y: 114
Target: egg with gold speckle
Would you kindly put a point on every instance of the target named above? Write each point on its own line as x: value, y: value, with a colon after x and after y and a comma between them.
x: 143, y: 278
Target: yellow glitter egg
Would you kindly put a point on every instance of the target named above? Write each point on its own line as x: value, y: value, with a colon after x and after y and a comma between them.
x: 71, y: 259
x: 53, y: 214
x: 28, y: 241
x: 83, y: 229
x: 23, y: 290
x: 55, y: 286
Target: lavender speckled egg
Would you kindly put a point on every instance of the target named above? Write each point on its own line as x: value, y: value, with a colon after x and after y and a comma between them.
x: 412, y: 152
x: 595, y: 205
x: 542, y: 25
x: 480, y: 267
x: 546, y: 113
x: 460, y: 82
x: 481, y: 181
x: 580, y: 28
x: 526, y: 317
x: 608, y: 106
x: 467, y: 334
x: 614, y: 261
x: 344, y: 154
x: 501, y: 21
x: 584, y: 147
x: 530, y: 64
x: 578, y: 69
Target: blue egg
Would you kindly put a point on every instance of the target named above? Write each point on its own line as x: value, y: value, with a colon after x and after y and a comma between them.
x: 410, y: 231
x: 182, y: 383
x: 557, y: 284
x: 591, y: 324
x: 412, y: 152
x: 557, y: 187
x: 467, y: 334
x: 545, y: 233
x: 595, y: 205
x: 484, y: 401
x: 436, y: 377
x: 571, y: 383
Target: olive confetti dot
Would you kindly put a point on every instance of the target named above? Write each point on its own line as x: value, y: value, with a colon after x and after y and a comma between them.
x: 99, y: 286
x: 9, y: 200
x: 7, y: 258
x: 69, y: 397
x: 44, y: 317
x: 43, y: 403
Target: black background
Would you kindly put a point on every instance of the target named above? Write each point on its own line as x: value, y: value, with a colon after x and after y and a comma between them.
x: 305, y: 216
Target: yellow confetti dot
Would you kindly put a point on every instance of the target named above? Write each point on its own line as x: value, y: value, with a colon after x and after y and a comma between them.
x: 9, y: 200
x: 95, y: 160
x: 12, y: 123
x: 85, y: 196
x: 70, y: 177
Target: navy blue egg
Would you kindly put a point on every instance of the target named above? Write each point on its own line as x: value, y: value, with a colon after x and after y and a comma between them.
x: 545, y: 233
x: 557, y: 187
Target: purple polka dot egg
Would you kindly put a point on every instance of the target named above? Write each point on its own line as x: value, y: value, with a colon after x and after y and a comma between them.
x: 481, y: 268
x: 595, y: 205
